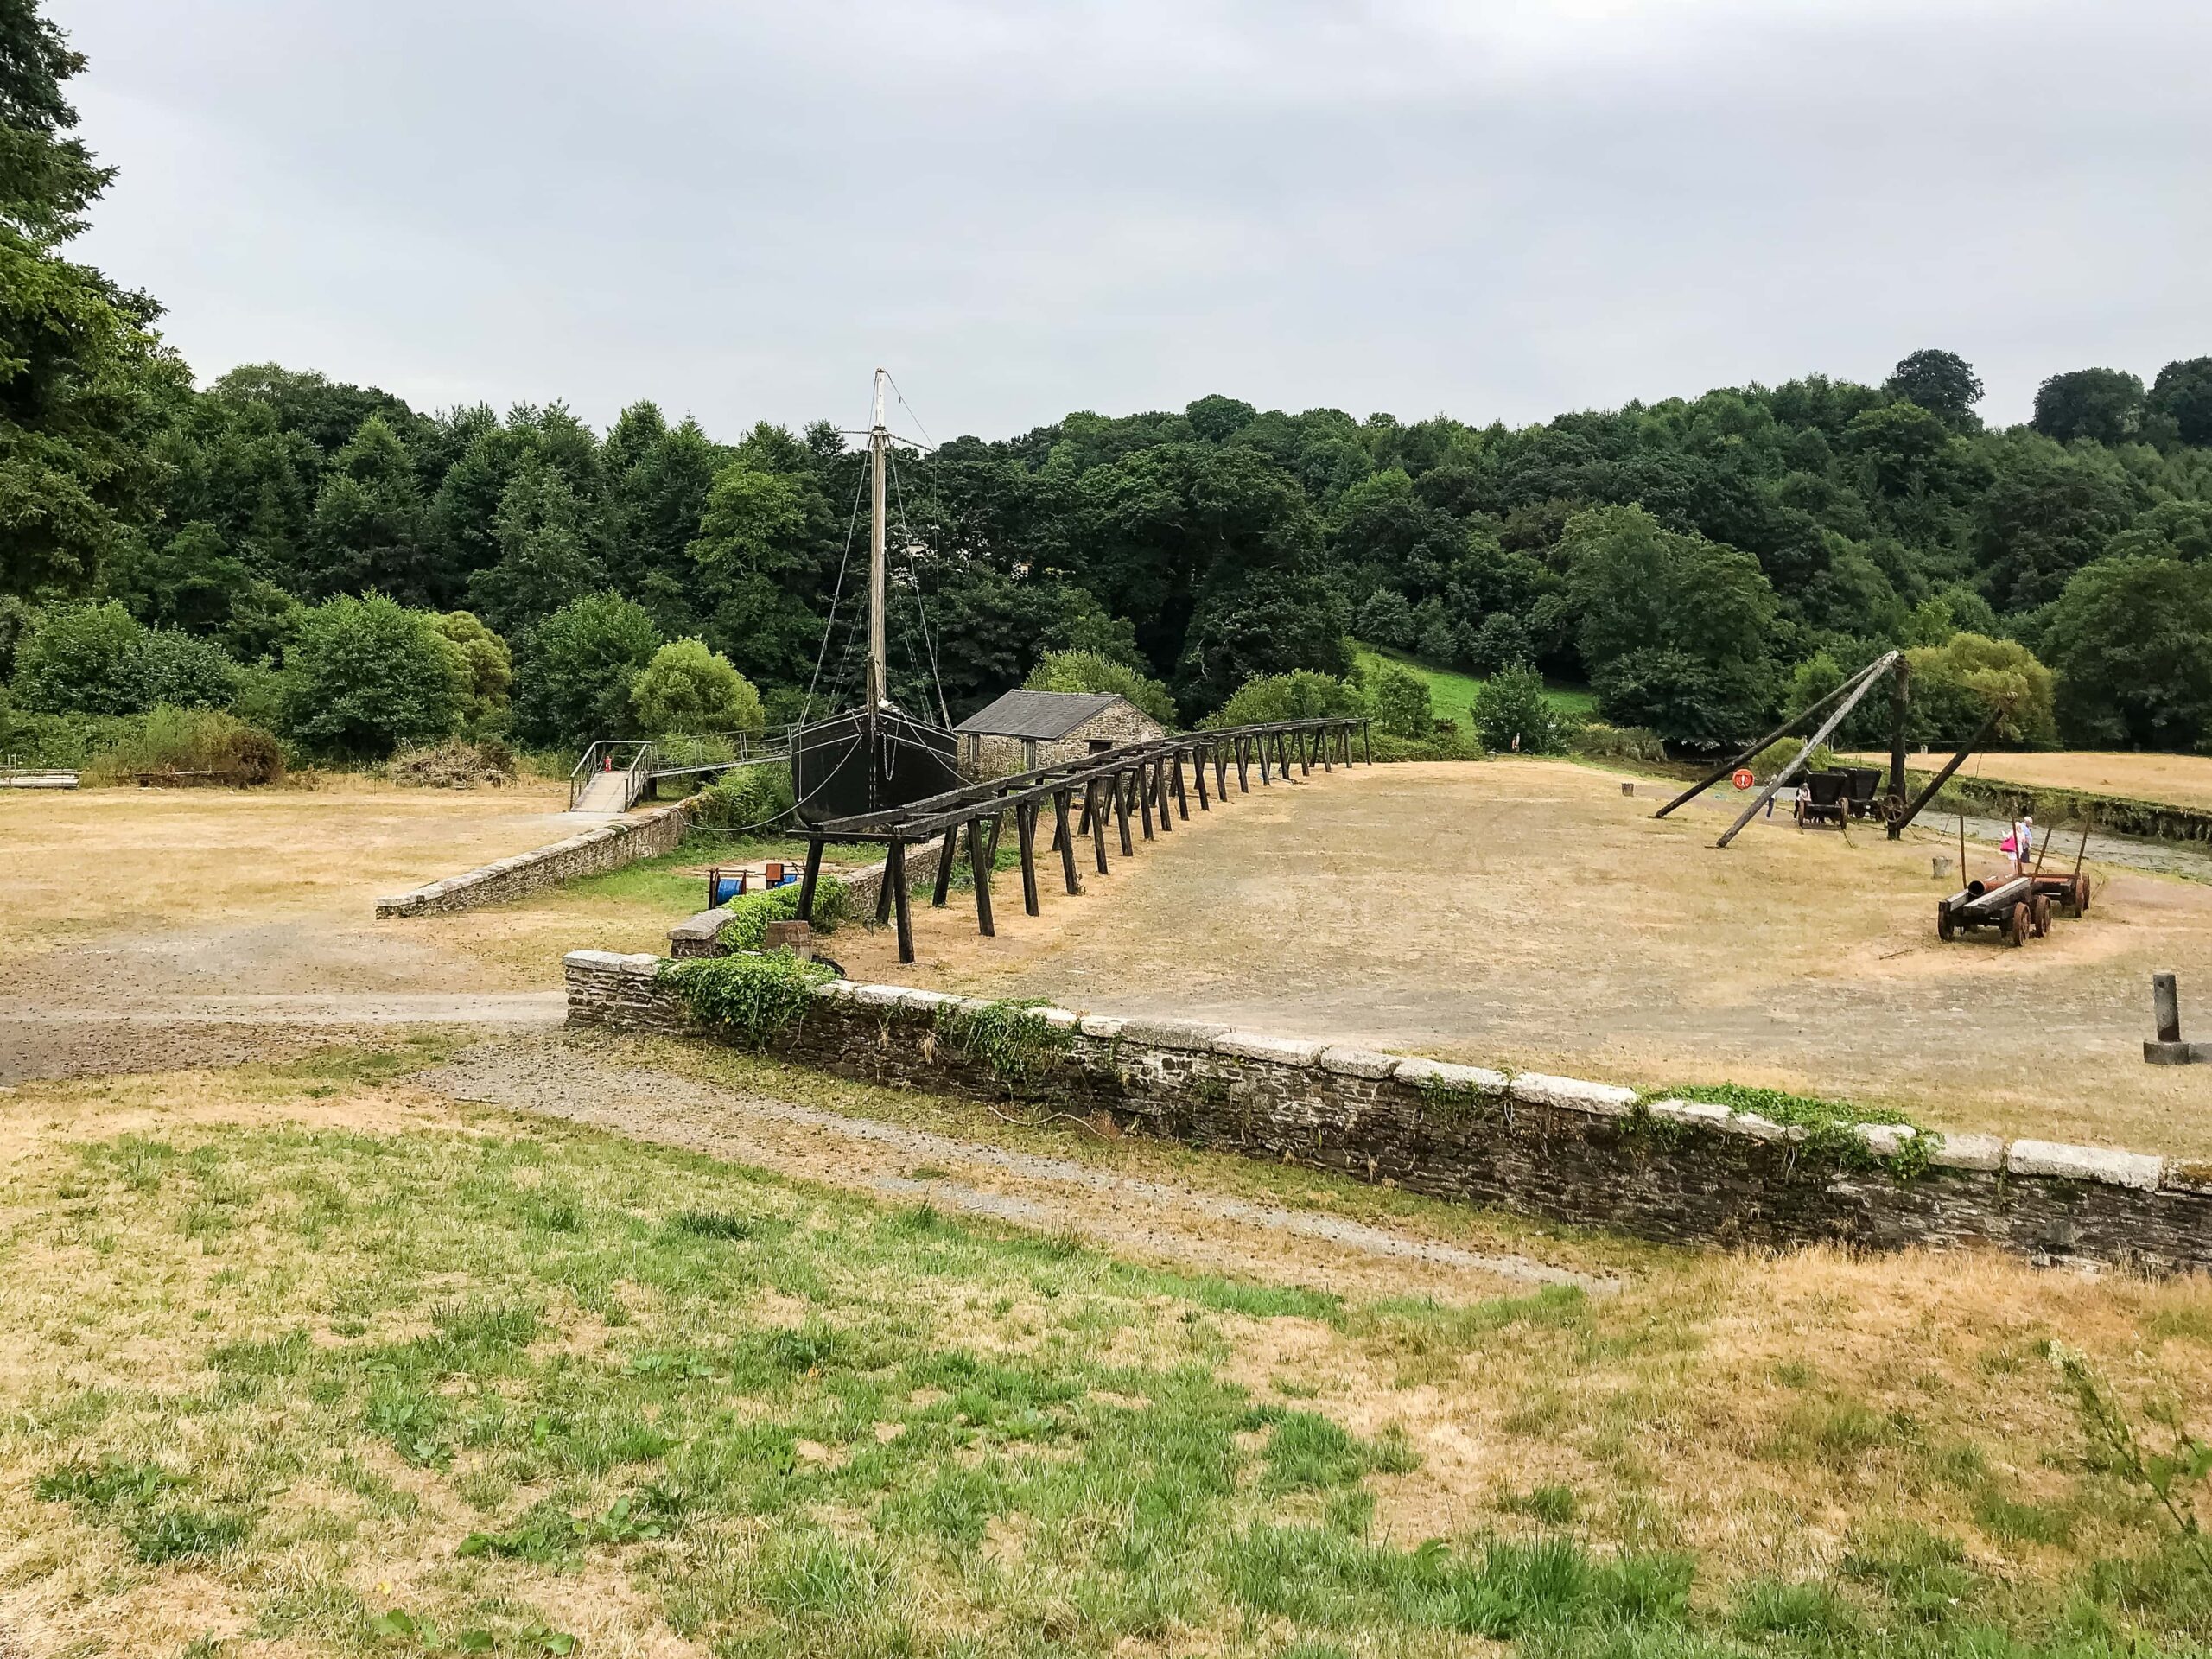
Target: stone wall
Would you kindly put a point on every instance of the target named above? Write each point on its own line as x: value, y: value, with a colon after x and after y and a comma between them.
x: 1554, y: 1147
x: 593, y: 852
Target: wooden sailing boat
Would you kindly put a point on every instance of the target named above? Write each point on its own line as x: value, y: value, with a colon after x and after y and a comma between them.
x: 877, y: 756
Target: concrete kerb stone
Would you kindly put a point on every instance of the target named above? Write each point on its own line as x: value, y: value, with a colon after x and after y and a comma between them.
x: 1191, y: 1035
x: 1441, y: 1074
x: 1344, y: 1061
x: 1605, y: 1099
x: 1258, y: 1045
x: 1984, y: 1154
x: 2131, y: 1169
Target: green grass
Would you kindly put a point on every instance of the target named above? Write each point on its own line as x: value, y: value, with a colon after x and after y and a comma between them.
x: 1451, y: 692
x: 793, y: 1421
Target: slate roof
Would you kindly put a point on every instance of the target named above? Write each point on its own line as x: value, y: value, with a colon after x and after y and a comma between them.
x: 1043, y: 715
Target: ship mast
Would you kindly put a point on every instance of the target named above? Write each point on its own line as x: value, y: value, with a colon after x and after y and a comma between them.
x: 878, y: 442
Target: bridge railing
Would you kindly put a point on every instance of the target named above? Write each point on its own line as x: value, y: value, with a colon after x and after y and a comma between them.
x: 633, y: 757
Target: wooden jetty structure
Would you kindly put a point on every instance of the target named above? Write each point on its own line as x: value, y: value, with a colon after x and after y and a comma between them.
x: 1138, y: 788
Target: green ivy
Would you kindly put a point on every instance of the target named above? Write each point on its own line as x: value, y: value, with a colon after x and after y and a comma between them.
x: 1017, y: 1042
x: 1830, y: 1125
x: 750, y: 999
x: 749, y: 915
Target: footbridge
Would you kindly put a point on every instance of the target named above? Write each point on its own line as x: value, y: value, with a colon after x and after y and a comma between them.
x: 617, y: 772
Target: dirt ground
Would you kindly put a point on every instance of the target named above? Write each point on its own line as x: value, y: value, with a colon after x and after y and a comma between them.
x: 154, y: 928
x: 1523, y: 913
x: 2175, y: 779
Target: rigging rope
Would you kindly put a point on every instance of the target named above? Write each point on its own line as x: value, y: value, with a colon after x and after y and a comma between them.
x: 921, y: 611
x: 829, y: 626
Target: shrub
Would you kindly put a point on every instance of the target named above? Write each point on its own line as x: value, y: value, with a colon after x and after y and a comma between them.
x: 73, y: 741
x: 747, y: 798
x: 572, y: 683
x: 199, y: 746
x: 453, y: 764
x: 751, y: 999
x: 1605, y: 741
x: 1091, y: 670
x: 182, y: 671
x: 1401, y: 702
x: 80, y: 659
x: 1454, y: 745
x: 749, y: 916
x: 487, y: 667
x: 1502, y: 642
x: 1302, y: 694
x: 364, y: 676
x: 1512, y: 713
x: 1957, y: 684
x: 688, y: 688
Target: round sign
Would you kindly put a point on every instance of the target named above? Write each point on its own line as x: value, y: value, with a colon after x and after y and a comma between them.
x: 1743, y: 779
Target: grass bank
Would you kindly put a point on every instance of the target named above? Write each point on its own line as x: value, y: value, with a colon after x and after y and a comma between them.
x: 309, y: 1357
x: 1451, y: 692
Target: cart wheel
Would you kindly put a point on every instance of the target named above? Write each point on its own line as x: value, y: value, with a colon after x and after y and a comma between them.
x: 2082, y: 893
x: 2039, y: 914
x: 1944, y: 929
x: 1893, y: 808
x: 2016, y: 927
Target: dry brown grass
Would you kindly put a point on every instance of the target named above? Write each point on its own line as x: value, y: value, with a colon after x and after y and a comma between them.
x: 1767, y: 1414
x: 78, y: 864
x: 1523, y: 913
x: 2173, y: 779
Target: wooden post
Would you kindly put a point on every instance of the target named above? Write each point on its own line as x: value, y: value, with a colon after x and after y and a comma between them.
x: 1260, y: 745
x: 2165, y: 1007
x: 894, y: 878
x: 1122, y: 811
x: 945, y: 855
x: 1182, y: 801
x: 1025, y: 830
x: 1097, y: 817
x: 1220, y: 770
x: 1367, y: 740
x: 980, y: 860
x: 1325, y: 740
x: 1900, y: 704
x: 883, y: 889
x: 1198, y: 758
x: 811, y: 880
x: 1063, y: 840
x: 1243, y: 778
x: 1143, y: 787
x: 1159, y: 788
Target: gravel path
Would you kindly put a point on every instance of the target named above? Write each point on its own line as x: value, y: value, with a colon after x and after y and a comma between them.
x: 1189, y: 1225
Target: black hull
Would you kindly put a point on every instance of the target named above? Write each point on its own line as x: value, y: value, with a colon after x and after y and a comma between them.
x: 860, y: 763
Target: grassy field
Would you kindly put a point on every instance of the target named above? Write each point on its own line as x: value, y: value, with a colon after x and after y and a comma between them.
x: 311, y: 1360
x: 2171, y: 779
x: 1524, y: 913
x: 1451, y: 692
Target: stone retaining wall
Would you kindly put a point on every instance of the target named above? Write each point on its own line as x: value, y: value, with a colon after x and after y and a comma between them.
x: 1554, y: 1147
x: 592, y: 852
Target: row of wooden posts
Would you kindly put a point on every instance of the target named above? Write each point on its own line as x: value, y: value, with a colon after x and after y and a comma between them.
x: 1136, y: 788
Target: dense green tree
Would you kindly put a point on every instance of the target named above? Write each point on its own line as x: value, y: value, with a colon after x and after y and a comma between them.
x: 2182, y: 394
x: 371, y: 528
x: 79, y: 659
x: 545, y: 559
x: 363, y: 675
x: 1502, y: 641
x: 1386, y: 619
x: 2105, y: 405
x: 1511, y: 714
x: 760, y: 552
x: 1302, y: 694
x: 2130, y: 640
x: 1942, y: 383
x: 1092, y: 671
x: 2045, y: 517
x: 1638, y: 585
x: 191, y: 580
x: 686, y: 687
x: 85, y: 384
x: 1957, y: 685
x: 572, y: 683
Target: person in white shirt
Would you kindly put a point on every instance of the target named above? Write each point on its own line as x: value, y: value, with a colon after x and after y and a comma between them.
x: 2023, y: 843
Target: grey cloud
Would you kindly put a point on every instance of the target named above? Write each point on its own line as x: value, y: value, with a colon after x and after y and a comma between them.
x: 1501, y: 211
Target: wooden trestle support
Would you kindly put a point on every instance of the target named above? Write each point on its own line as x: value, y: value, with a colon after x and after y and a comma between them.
x: 1144, y: 781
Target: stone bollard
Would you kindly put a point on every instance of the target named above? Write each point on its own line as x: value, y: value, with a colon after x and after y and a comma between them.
x: 1628, y: 789
x: 2167, y: 1047
x: 797, y: 938
x: 1939, y: 867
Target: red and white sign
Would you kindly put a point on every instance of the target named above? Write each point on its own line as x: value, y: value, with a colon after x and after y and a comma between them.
x: 1742, y: 779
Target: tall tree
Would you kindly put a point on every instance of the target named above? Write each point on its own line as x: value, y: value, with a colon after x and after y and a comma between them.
x: 370, y: 529
x: 84, y: 380
x: 1942, y: 383
x: 2182, y: 394
x: 2104, y: 404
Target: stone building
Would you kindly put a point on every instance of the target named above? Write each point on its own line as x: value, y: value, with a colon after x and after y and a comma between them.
x: 1024, y: 730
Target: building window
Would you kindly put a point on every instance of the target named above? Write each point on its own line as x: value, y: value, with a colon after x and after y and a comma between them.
x: 1100, y: 745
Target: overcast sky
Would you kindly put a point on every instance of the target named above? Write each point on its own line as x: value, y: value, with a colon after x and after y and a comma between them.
x: 1496, y: 210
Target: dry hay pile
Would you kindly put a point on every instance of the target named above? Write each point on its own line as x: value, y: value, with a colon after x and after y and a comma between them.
x: 453, y: 764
